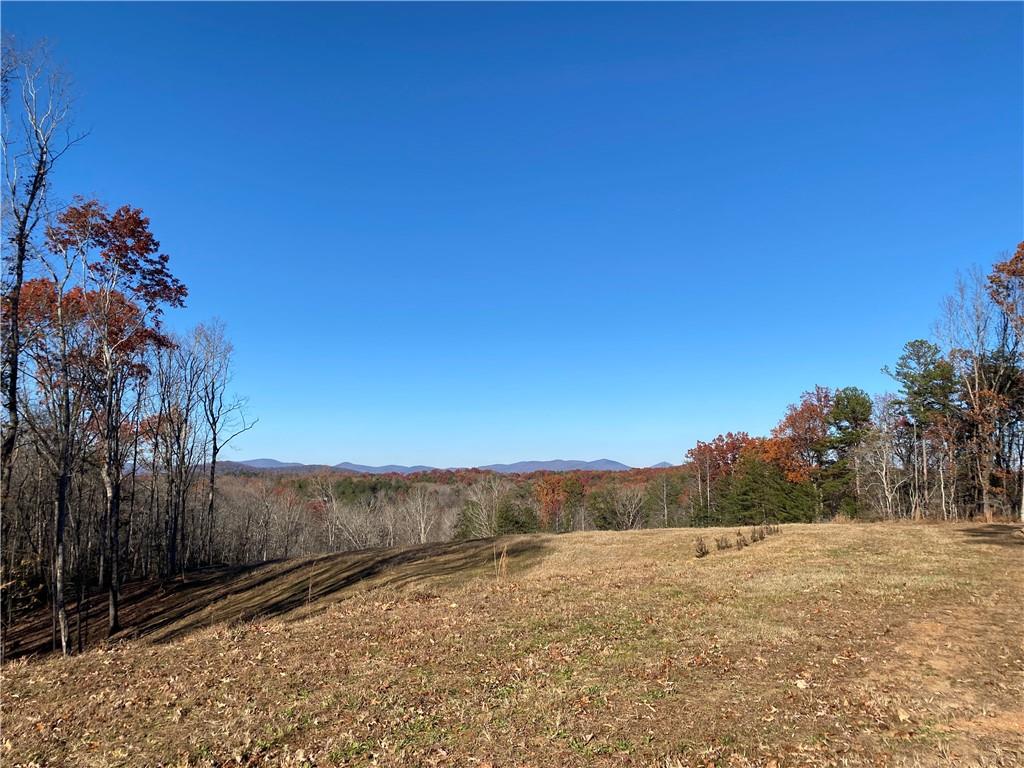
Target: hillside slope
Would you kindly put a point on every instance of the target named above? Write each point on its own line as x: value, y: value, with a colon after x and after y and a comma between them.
x: 157, y: 611
x: 829, y: 644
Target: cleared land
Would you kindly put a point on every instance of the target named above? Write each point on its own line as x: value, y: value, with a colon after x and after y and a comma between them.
x: 822, y: 645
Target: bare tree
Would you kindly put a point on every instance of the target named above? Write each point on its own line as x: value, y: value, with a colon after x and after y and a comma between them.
x: 483, y: 502
x: 879, y: 455
x: 181, y: 444
x: 36, y: 133
x: 352, y: 524
x: 225, y: 414
x: 629, y: 505
x: 983, y: 348
x: 427, y: 508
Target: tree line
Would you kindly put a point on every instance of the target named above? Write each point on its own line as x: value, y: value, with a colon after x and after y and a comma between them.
x: 947, y: 444
x: 109, y: 419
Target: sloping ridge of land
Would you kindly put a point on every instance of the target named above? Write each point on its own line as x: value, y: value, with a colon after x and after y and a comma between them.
x: 163, y: 610
x: 821, y: 645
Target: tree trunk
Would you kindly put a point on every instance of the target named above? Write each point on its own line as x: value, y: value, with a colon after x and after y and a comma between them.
x: 60, y: 519
x: 215, y: 449
x: 172, y: 530
x: 984, y: 473
x: 11, y: 353
x: 942, y: 491
x: 114, y: 582
x: 23, y: 226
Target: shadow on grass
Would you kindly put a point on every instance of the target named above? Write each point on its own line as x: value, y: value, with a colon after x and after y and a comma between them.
x: 1000, y: 534
x: 164, y: 611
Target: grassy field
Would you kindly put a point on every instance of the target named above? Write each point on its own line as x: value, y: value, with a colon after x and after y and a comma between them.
x: 822, y: 645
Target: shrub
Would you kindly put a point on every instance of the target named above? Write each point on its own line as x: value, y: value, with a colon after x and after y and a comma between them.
x: 756, y: 535
x: 741, y: 540
x: 722, y: 542
x: 702, y: 548
x: 515, y: 516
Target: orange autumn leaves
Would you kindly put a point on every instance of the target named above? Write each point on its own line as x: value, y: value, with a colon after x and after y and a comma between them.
x: 100, y: 305
x: 556, y: 495
x: 120, y: 322
x: 1006, y: 286
x: 797, y: 444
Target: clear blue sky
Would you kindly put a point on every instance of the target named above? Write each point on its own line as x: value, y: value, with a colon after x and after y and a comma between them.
x: 461, y: 234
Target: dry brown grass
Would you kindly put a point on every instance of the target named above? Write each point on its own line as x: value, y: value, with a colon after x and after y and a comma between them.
x: 825, y: 645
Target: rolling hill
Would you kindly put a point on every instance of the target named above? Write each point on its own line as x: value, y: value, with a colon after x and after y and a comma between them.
x: 823, y: 645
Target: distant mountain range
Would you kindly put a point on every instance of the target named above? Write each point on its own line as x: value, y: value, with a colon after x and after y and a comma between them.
x: 269, y: 464
x: 386, y: 469
x: 556, y: 465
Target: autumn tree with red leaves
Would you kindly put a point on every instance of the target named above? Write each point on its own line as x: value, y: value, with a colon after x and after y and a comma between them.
x: 1006, y: 288
x: 128, y: 283
x: 714, y: 460
x: 87, y: 326
x: 799, y: 442
x: 57, y: 344
x: 93, y: 388
x: 551, y: 498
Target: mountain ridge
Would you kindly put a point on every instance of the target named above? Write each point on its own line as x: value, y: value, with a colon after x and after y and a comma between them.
x: 518, y: 467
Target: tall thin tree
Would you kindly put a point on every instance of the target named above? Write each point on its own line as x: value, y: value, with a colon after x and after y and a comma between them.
x: 36, y: 133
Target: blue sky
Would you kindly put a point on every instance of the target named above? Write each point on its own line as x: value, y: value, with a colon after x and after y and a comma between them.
x: 461, y: 234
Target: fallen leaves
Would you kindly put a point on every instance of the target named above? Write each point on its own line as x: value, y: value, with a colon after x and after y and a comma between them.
x: 554, y: 673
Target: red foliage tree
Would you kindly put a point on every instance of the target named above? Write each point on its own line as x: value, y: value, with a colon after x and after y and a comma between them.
x: 798, y: 443
x: 718, y: 457
x: 552, y: 494
x: 126, y: 285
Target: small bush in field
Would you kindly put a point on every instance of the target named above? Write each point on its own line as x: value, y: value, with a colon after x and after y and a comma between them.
x: 756, y: 535
x: 741, y: 540
x: 722, y: 542
x: 702, y: 548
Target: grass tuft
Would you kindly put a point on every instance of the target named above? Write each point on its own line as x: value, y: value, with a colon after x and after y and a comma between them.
x: 701, y: 547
